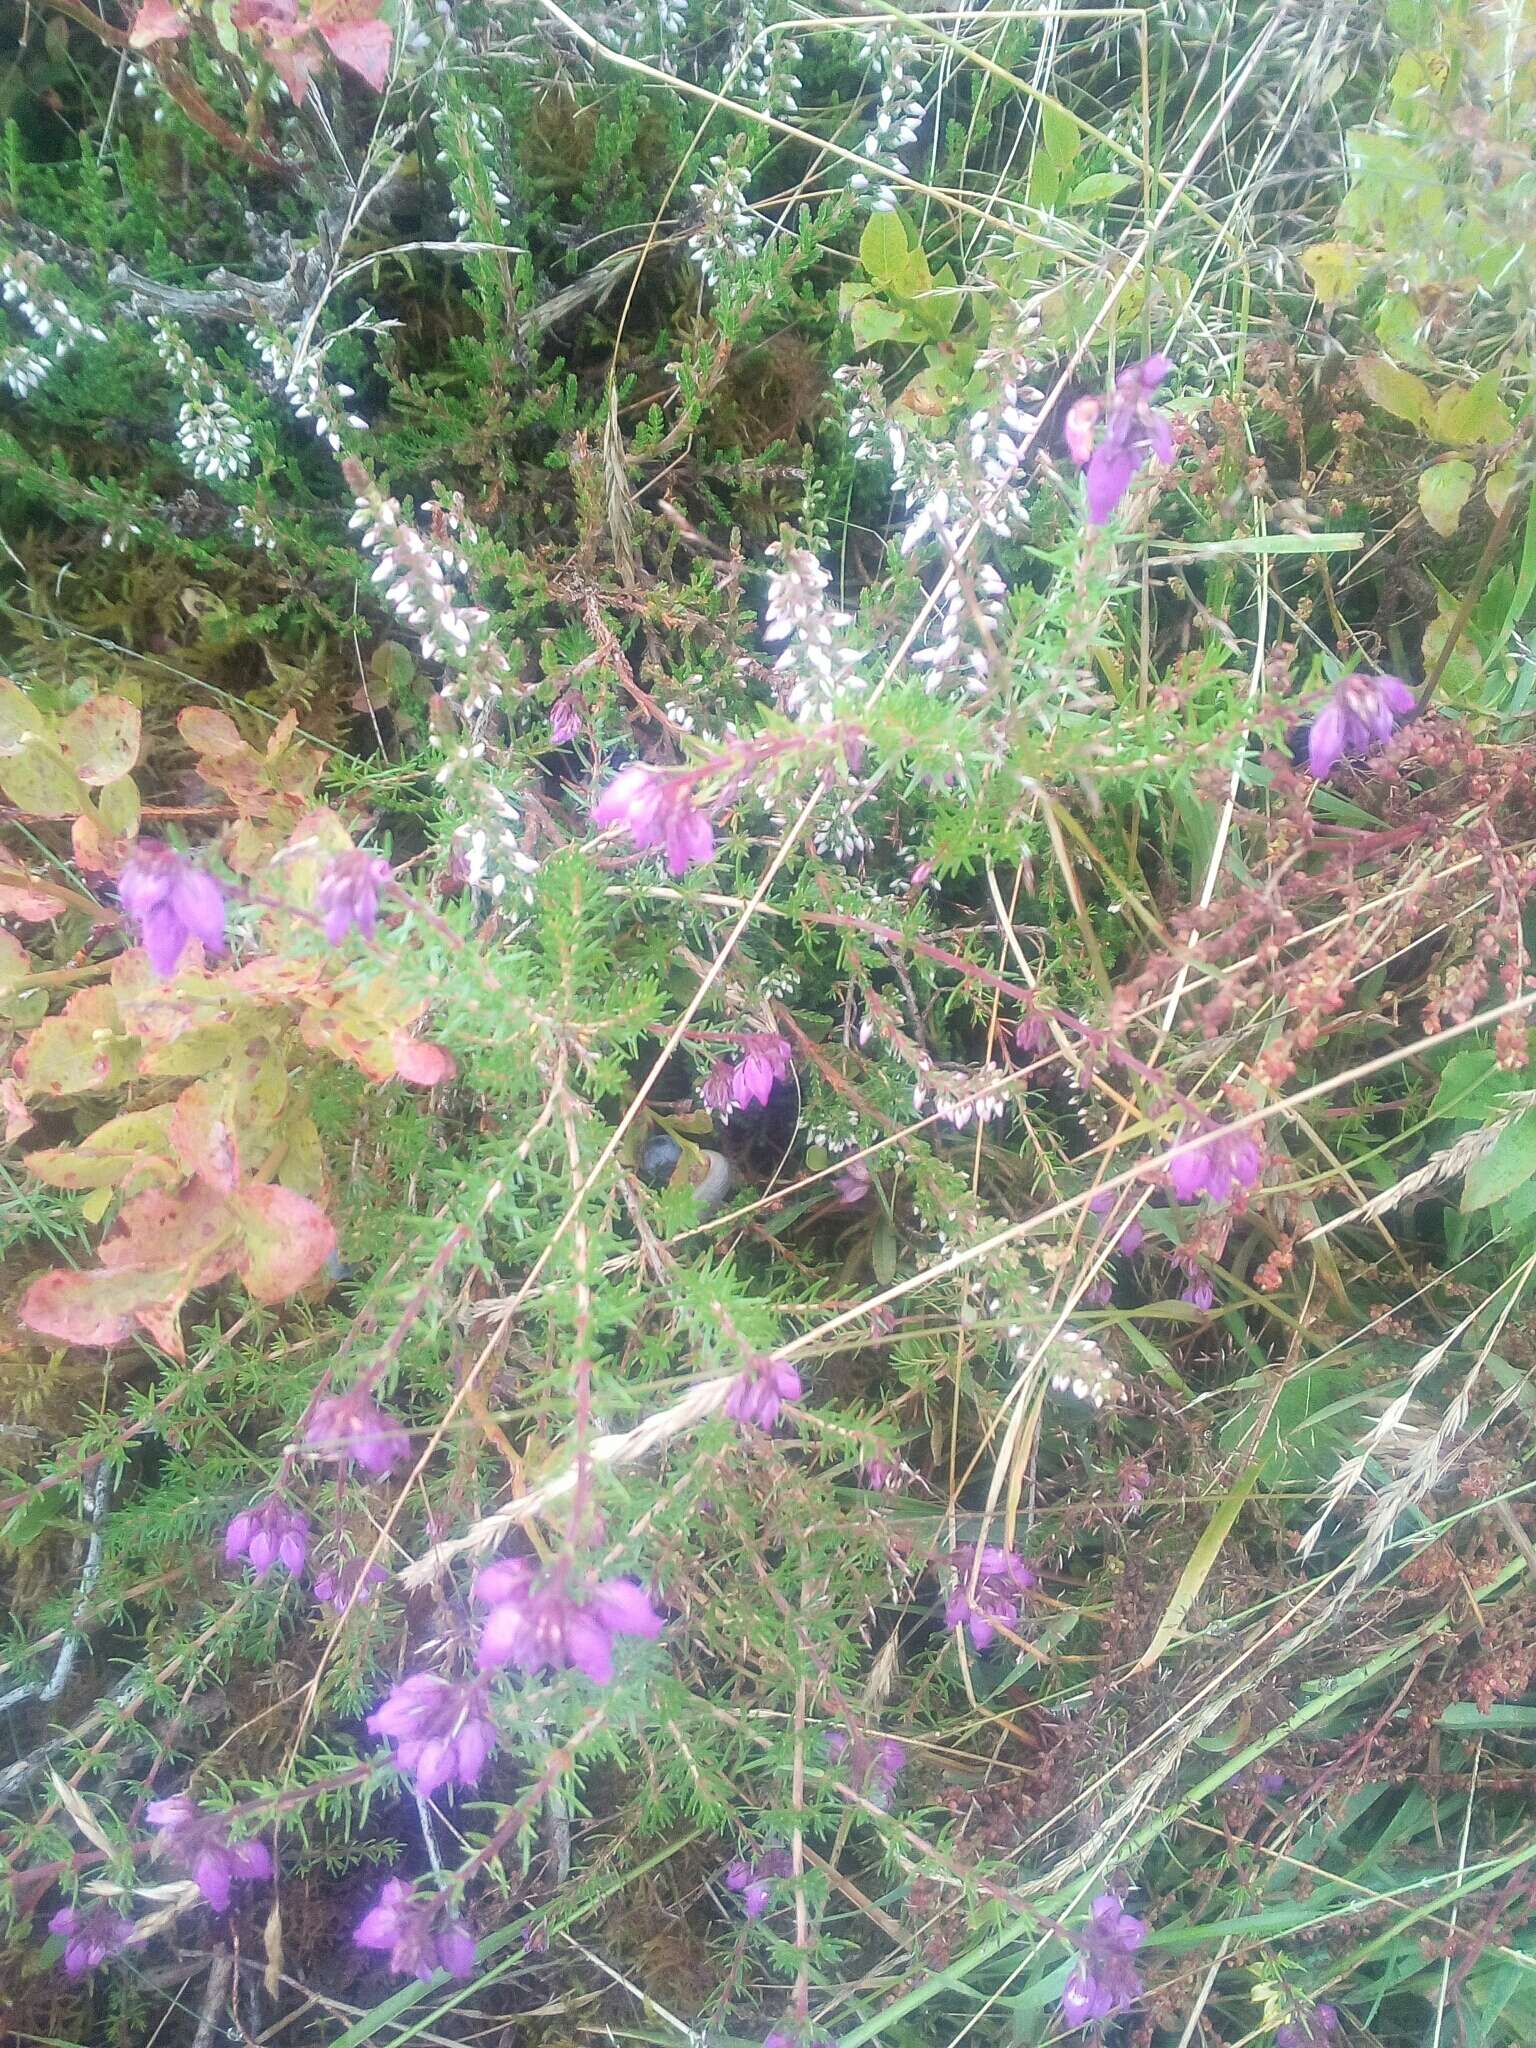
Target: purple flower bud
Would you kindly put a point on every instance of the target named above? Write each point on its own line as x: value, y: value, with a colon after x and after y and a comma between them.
x: 1131, y: 1236
x: 91, y: 1935
x: 539, y: 1622
x: 1105, y: 1980
x: 170, y: 901
x: 353, y: 1428
x: 765, y: 1059
x: 1033, y: 1035
x: 872, y: 1767
x: 656, y: 809
x: 442, y: 1733
x: 1001, y: 1574
x: 1216, y: 1165
x: 271, y: 1533
x: 1363, y: 712
x: 853, y: 1183
x: 1199, y: 1292
x: 1314, y: 2029
x: 717, y: 1091
x: 195, y: 1840
x: 881, y: 1475
x: 419, y: 1935
x: 1133, y: 433
x: 347, y: 897
x: 760, y: 1392
x: 353, y: 1583
x: 565, y: 718
x: 755, y: 1880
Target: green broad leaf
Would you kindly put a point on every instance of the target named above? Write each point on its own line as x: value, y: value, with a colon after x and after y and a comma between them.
x: 1334, y: 270
x: 1444, y: 489
x: 883, y: 246
x: 1508, y: 1166
x: 1397, y: 329
x: 100, y: 740
x: 1472, y: 1085
x: 1476, y: 415
x: 1396, y: 391
x: 1095, y: 189
x: 117, y: 807
x: 874, y: 323
x: 1060, y: 134
x: 20, y: 719
x: 1462, y: 1714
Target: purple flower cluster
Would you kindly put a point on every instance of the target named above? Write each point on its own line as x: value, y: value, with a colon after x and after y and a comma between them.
x: 539, y: 1621
x: 755, y: 1880
x: 1314, y: 2029
x: 1104, y: 1980
x: 347, y: 897
x: 442, y: 1733
x: 757, y: 1395
x: 1132, y: 432
x: 1362, y: 712
x: 272, y: 1533
x: 657, y: 810
x: 872, y: 1767
x: 765, y: 1059
x: 353, y: 1429
x: 420, y: 1936
x: 91, y: 1935
x: 1216, y: 1165
x: 170, y: 901
x: 197, y: 1843
x: 1000, y: 1576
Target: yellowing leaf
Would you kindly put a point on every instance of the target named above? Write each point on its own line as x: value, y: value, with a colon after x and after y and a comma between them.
x: 1396, y: 391
x: 1500, y: 487
x: 1477, y: 414
x: 39, y: 781
x: 1334, y: 269
x: 1444, y: 489
x: 100, y: 740
x: 883, y: 246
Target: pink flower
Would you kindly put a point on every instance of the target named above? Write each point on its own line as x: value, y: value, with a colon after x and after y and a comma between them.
x: 273, y: 1533
x: 353, y: 1428
x: 880, y: 1475
x: 565, y: 718
x: 92, y: 1935
x: 765, y: 1059
x: 170, y: 902
x: 853, y: 1183
x: 1033, y: 1035
x: 538, y: 1622
x: 1133, y: 433
x: 754, y: 1880
x: 197, y: 1842
x: 1363, y: 712
x: 760, y: 1392
x: 348, y: 894
x: 156, y: 22
x: 1216, y: 1165
x: 656, y: 809
x: 420, y: 1936
x: 872, y: 1766
x: 717, y: 1091
x: 442, y: 1733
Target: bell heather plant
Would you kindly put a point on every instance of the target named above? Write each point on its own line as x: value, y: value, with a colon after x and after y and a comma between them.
x: 764, y: 961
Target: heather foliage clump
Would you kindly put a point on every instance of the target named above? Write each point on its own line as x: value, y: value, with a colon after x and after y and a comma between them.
x: 764, y: 966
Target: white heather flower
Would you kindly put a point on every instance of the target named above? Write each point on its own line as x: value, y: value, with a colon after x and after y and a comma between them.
x: 817, y: 667
x: 898, y: 113
x: 22, y: 369
x: 727, y: 234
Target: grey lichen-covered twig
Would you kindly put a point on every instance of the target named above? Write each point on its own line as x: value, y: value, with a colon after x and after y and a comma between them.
x: 69, y: 1650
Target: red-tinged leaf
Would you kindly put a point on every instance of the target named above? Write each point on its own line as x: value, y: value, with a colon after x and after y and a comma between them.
x: 192, y: 1232
x: 363, y: 46
x: 417, y: 1061
x: 32, y: 906
x: 210, y: 732
x: 100, y: 740
x: 287, y: 1240
x: 83, y: 1049
x: 156, y: 22
x: 83, y: 1308
x: 295, y: 64
x: 18, y: 1118
x: 201, y: 1138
